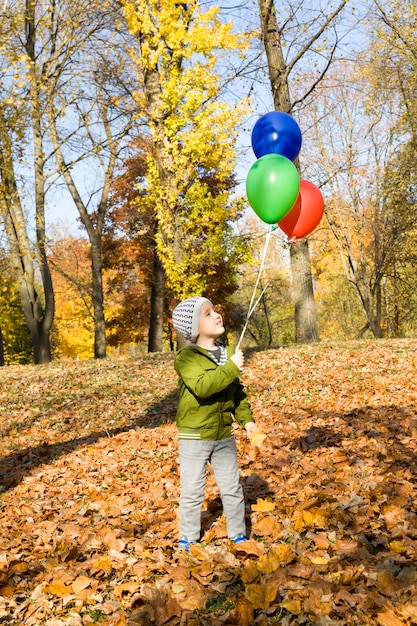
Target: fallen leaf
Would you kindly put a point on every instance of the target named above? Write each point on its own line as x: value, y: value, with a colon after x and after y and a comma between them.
x: 243, y: 612
x: 292, y: 606
x: 388, y: 618
x: 264, y: 506
x: 103, y: 564
x: 257, y: 437
x: 58, y: 588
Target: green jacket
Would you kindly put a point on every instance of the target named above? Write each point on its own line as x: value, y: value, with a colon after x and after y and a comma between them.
x: 210, y: 395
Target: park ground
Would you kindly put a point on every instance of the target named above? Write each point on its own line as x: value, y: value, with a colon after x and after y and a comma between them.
x: 89, y: 494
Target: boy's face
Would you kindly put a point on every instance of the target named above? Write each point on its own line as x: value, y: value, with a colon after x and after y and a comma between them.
x: 211, y: 322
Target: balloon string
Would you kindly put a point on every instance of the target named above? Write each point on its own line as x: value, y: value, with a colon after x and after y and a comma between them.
x: 253, y: 306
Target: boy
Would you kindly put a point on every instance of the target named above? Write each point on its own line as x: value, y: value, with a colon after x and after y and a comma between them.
x: 210, y: 394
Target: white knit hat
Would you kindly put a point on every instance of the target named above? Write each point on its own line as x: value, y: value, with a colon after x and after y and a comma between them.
x: 186, y: 317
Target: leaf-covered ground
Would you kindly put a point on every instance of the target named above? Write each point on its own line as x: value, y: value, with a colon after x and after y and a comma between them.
x: 89, y: 494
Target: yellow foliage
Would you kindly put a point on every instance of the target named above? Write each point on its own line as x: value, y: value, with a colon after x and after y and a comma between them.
x: 192, y: 130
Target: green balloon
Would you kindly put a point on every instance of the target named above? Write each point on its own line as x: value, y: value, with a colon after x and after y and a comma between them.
x: 272, y: 187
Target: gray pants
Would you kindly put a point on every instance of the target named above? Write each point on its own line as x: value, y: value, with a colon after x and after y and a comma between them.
x: 222, y: 455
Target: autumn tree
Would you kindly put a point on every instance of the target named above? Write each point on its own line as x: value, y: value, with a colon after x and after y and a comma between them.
x: 100, y: 113
x: 340, y: 314
x: 360, y: 148
x: 193, y: 131
x: 309, y: 48
x: 21, y: 104
x: 129, y: 246
x: 68, y: 93
x: 391, y: 72
x: 69, y: 258
x: 368, y: 177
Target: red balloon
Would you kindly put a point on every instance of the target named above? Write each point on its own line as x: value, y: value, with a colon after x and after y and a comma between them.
x: 306, y: 213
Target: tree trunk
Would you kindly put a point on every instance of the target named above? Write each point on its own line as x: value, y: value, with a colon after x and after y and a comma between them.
x: 41, y: 341
x: 97, y: 297
x: 93, y: 226
x: 367, y: 302
x: 303, y: 294
x: 1, y: 349
x: 21, y: 255
x: 302, y: 282
x: 156, y: 321
x: 41, y: 346
x: 39, y: 317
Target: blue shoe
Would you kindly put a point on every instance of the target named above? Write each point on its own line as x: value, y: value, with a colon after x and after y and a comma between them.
x: 239, y: 539
x: 184, y: 544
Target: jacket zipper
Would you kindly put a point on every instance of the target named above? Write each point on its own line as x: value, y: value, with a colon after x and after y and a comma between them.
x: 221, y: 404
x: 219, y: 424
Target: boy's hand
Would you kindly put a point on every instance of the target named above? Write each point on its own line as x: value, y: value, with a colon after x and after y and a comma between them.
x: 238, y: 359
x: 250, y: 427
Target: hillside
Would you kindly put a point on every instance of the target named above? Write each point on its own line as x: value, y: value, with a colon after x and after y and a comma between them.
x: 89, y: 492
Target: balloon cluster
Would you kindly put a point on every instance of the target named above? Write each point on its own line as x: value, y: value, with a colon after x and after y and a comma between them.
x: 273, y: 186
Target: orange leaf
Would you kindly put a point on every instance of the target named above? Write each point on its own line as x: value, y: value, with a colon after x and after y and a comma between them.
x: 264, y: 506
x: 249, y: 572
x: 292, y: 606
x: 269, y: 562
x: 318, y: 604
x: 257, y: 437
x: 408, y: 611
x: 323, y: 559
x: 321, y: 540
x: 6, y: 591
x: 262, y: 595
x: 58, y: 588
x: 243, y: 612
x: 267, y: 526
x: 250, y: 547
x: 104, y: 564
x: 81, y: 583
x: 125, y: 589
x: 388, y: 618
x: 190, y: 595
x: 393, y: 516
x: 285, y: 553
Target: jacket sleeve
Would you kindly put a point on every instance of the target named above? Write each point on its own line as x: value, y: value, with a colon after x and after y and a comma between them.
x: 243, y: 412
x: 202, y: 382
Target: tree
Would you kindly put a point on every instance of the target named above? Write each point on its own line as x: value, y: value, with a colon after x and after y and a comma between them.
x: 396, y: 242
x: 391, y: 72
x: 21, y: 103
x: 129, y: 246
x: 67, y: 75
x: 340, y: 313
x: 368, y: 175
x: 15, y: 340
x: 101, y: 113
x: 280, y: 70
x: 74, y: 318
x: 192, y: 131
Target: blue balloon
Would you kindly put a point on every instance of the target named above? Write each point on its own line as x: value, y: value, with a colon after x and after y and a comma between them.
x: 276, y: 133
